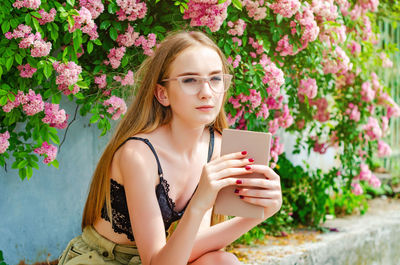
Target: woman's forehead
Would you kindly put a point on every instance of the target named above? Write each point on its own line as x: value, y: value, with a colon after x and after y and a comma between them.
x: 196, y: 59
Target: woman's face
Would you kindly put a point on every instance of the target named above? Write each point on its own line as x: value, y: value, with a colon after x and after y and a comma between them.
x: 203, y: 107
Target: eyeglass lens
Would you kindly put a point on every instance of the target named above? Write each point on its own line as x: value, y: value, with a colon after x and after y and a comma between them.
x: 193, y: 84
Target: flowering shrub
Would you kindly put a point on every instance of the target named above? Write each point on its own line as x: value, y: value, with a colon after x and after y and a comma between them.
x: 305, y: 67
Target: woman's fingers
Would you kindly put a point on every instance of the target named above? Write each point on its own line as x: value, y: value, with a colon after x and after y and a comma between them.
x: 260, y: 183
x: 266, y: 203
x: 258, y: 193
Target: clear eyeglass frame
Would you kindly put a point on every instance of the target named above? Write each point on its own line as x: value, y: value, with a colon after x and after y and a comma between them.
x: 192, y: 84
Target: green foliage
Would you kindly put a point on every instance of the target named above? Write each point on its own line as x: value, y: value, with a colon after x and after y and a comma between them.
x: 2, y: 262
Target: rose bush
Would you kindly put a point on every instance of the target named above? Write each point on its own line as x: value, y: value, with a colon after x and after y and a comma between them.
x: 304, y: 67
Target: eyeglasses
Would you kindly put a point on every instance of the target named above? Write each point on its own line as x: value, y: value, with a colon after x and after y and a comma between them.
x: 192, y: 84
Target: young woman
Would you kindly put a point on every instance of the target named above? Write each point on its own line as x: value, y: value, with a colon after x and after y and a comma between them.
x: 163, y: 165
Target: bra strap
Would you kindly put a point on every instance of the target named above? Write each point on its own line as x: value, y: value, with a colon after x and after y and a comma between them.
x: 160, y: 173
x: 211, y: 144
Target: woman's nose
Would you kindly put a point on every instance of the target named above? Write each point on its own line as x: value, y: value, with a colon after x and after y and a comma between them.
x: 206, y: 89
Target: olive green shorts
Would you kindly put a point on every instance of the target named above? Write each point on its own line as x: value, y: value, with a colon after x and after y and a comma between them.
x: 92, y: 248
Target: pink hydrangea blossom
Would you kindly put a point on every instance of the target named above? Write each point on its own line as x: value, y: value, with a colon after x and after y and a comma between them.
x: 29, y: 40
x: 322, y: 114
x: 206, y: 13
x: 33, y: 103
x: 339, y: 63
x: 54, y: 116
x: 4, y: 143
x: 68, y: 75
x: 101, y: 81
x: 369, y: 5
x: 383, y: 149
x: 115, y: 57
x: 386, y: 62
x: 284, y: 118
x: 286, y: 8
x: 47, y: 17
x: 367, y: 33
x: 236, y: 62
x: 272, y: 103
x: 365, y: 173
x: 308, y: 87
x: 32, y: 4
x: 129, y: 38
x: 375, y: 82
x: 309, y: 27
x: 356, y: 12
x: 48, y: 150
x: 384, y: 125
x: 147, y: 44
x: 332, y: 34
x: 237, y: 40
x: 232, y: 120
x: 127, y: 80
x: 22, y: 31
x: 263, y: 111
x: 324, y: 9
x: 356, y: 188
x: 95, y: 7
x: 40, y: 48
x: 26, y: 71
x: 372, y: 129
x: 273, y: 125
x: 116, y: 105
x: 274, y: 78
x: 353, y: 112
x: 344, y: 6
x: 320, y: 147
x: 131, y: 10
x: 255, y: 9
x: 236, y: 28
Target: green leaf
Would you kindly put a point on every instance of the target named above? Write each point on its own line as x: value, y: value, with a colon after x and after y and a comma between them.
x: 18, y: 58
x: 55, y: 163
x: 1, y: 71
x: 3, y: 92
x: 3, y: 100
x: 71, y: 21
x: 82, y: 85
x: 48, y: 69
x: 71, y: 2
x: 105, y: 24
x: 94, y: 118
x: 9, y: 62
x: 97, y: 42
x: 22, y: 173
x: 113, y: 33
x: 22, y: 164
x: 28, y: 18
x: 89, y: 47
x: 36, y: 14
x: 5, y: 26
x: 54, y: 138
x: 36, y: 24
x: 124, y: 61
x: 279, y: 18
x: 11, y: 97
x: 237, y: 4
x: 29, y: 172
x: 79, y: 96
x: 56, y: 98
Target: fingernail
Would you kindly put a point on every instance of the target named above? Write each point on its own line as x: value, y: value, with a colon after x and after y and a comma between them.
x: 236, y: 191
x: 247, y: 167
x: 251, y: 159
x: 238, y: 181
x: 241, y: 197
x: 244, y: 153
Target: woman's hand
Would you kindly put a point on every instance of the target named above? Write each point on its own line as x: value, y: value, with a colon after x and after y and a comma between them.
x: 270, y: 194
x: 218, y: 174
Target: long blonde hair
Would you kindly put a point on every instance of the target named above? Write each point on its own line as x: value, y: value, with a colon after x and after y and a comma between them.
x: 145, y: 114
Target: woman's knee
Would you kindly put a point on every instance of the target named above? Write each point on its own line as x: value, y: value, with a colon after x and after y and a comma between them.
x: 217, y: 258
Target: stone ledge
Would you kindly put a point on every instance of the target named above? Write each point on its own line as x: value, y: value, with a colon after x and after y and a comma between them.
x: 371, y: 239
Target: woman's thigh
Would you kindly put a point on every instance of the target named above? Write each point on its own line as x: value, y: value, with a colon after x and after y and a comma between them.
x: 216, y: 258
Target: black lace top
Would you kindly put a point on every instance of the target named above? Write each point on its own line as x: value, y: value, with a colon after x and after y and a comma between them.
x: 119, y: 209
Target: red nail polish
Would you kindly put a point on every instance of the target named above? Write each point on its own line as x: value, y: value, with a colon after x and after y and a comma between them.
x: 247, y: 167
x: 251, y: 160
x: 236, y: 191
x: 244, y: 153
x: 241, y: 197
x: 238, y: 181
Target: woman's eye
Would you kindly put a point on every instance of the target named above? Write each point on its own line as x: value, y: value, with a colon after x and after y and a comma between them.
x: 189, y: 80
x: 216, y: 78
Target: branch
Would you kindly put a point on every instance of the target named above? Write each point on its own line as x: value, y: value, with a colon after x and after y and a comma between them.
x: 66, y: 130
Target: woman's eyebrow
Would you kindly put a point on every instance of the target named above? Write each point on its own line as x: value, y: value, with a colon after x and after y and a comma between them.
x: 194, y: 73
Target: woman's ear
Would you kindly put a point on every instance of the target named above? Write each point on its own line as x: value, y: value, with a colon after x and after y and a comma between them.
x: 161, y: 95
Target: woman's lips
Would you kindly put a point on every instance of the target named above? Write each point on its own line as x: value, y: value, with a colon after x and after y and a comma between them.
x: 205, y: 107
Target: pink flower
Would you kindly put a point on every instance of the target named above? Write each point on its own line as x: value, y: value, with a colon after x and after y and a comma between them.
x: 100, y: 81
x: 131, y: 10
x: 309, y: 27
x: 274, y: 78
x: 33, y: 103
x: 386, y: 62
x: 320, y: 147
x: 4, y: 143
x: 68, y: 75
x: 116, y: 105
x: 206, y: 13
x: 128, y: 79
x: 354, y: 47
x: 366, y: 91
x: 129, y: 38
x: 286, y: 8
x: 263, y: 112
x: 237, y: 28
x: 32, y: 4
x: 26, y: 70
x: 372, y: 129
x: 115, y: 56
x: 95, y: 7
x: 276, y: 149
x: 55, y: 117
x: 308, y: 87
x: 255, y: 9
x: 365, y: 173
x: 374, y: 181
x: 339, y: 64
x: 273, y: 126
x: 40, y: 48
x: 47, y: 17
x: 356, y: 188
x: 237, y: 40
x: 383, y: 149
x: 49, y: 151
x: 353, y: 112
x: 285, y: 119
x: 324, y: 9
x: 85, y: 22
x: 332, y: 34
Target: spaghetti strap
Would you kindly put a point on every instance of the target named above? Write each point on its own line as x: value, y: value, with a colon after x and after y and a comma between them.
x: 160, y: 172
x: 211, y: 144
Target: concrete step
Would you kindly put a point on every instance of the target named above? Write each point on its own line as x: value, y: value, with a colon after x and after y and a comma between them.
x: 371, y: 239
